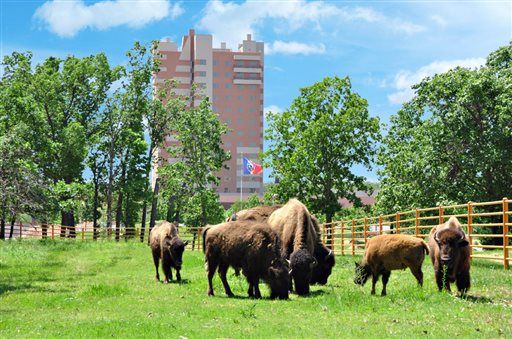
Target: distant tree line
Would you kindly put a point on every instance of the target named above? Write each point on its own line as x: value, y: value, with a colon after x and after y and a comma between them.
x: 78, y: 137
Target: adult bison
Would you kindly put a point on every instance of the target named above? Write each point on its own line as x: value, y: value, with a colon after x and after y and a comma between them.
x: 449, y: 252
x: 323, y: 256
x: 292, y: 223
x: 166, y: 245
x: 250, y: 246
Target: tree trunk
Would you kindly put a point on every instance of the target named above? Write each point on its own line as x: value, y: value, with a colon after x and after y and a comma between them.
x: 154, y: 203
x: 95, y: 207
x: 67, y: 223
x: 119, y: 213
x: 44, y: 228
x: 13, y: 220
x: 110, y: 184
x: 145, y: 201
x: 2, y: 222
x: 328, y: 229
x: 129, y: 228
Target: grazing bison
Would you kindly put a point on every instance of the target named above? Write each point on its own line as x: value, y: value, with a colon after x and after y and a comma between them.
x: 166, y: 245
x: 258, y: 213
x: 292, y: 223
x: 449, y: 252
x: 388, y: 252
x: 250, y: 246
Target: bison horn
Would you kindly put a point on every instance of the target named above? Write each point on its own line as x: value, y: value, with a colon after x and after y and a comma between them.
x: 290, y: 271
x: 328, y: 254
x: 435, y: 237
x: 288, y: 261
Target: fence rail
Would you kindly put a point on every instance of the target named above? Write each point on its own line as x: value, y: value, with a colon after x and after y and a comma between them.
x: 480, y: 220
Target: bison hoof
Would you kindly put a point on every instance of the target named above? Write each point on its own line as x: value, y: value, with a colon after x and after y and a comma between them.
x: 210, y: 293
x: 166, y: 281
x: 231, y: 295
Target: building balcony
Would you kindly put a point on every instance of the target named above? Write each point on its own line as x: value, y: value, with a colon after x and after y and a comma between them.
x: 247, y: 57
x: 247, y: 70
x: 247, y: 81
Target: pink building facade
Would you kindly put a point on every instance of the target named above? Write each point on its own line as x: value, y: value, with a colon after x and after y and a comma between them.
x: 233, y: 80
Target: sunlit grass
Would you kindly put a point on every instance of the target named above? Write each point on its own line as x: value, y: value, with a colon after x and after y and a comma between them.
x: 86, y: 289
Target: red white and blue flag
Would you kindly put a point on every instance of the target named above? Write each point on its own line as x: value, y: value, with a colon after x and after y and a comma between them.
x: 251, y: 167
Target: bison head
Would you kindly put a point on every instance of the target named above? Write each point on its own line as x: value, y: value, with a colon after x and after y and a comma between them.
x: 302, y: 264
x: 279, y: 279
x: 325, y: 260
x: 176, y: 246
x: 362, y: 274
x: 450, y: 242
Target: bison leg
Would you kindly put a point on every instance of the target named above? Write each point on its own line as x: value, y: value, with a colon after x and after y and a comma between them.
x: 166, y: 266
x: 418, y: 274
x: 463, y: 282
x: 439, y: 280
x: 385, y: 279
x: 222, y: 272
x: 178, y: 275
x: 211, y: 272
x: 375, y: 278
x: 256, y: 285
x: 156, y: 260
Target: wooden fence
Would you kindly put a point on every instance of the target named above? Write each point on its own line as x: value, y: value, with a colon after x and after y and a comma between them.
x: 481, y: 221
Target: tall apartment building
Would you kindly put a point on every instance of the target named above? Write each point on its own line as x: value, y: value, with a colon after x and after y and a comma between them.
x: 233, y: 80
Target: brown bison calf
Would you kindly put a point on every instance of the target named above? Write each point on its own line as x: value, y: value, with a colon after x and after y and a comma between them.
x: 388, y: 252
x: 166, y: 245
x: 250, y: 246
x: 449, y: 252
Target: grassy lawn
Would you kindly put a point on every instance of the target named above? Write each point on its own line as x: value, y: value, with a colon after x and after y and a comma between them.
x: 87, y: 289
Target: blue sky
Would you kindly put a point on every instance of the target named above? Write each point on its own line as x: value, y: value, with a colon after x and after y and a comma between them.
x: 384, y: 46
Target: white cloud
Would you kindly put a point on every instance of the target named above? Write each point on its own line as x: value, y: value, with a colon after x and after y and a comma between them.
x: 67, y: 18
x: 405, y: 79
x: 273, y: 109
x: 230, y: 22
x: 439, y: 20
x: 293, y: 47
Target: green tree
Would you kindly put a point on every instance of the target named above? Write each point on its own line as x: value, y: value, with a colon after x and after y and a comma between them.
x: 452, y: 141
x: 316, y: 142
x: 199, y: 149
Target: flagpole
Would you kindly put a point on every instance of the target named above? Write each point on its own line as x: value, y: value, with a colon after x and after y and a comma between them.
x: 241, y: 177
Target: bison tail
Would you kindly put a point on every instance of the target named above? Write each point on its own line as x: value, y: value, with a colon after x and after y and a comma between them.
x: 425, y: 246
x: 204, y: 237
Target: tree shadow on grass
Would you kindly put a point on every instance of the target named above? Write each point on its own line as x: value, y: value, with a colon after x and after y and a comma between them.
x: 4, y: 288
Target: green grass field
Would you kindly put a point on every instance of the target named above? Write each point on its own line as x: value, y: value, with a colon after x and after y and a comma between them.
x: 87, y: 289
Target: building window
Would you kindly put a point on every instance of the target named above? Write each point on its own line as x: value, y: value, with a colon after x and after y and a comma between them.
x: 227, y: 74
x: 239, y: 133
x: 201, y: 74
x: 252, y: 144
x: 240, y: 86
x: 228, y: 144
x: 238, y: 190
x: 228, y: 109
x: 239, y: 97
x: 252, y: 98
x: 215, y: 98
x: 215, y: 85
x: 225, y: 190
x: 227, y: 97
x: 201, y: 62
x: 239, y: 144
x: 239, y: 110
x: 239, y: 121
x: 228, y: 121
x: 253, y: 63
x: 254, y: 87
x: 253, y: 133
x: 215, y: 62
x: 252, y: 110
x: 227, y: 63
x: 252, y: 190
x: 253, y: 75
x: 228, y: 86
x: 215, y: 74
x: 252, y: 121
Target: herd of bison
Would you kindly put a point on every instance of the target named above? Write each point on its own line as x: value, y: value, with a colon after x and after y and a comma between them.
x: 281, y: 245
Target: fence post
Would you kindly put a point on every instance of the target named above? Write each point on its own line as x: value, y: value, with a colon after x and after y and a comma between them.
x: 417, y: 222
x: 84, y: 226
x: 470, y: 229
x: 332, y: 233
x: 353, y: 237
x: 397, y: 223
x: 324, y: 235
x: 342, y: 240
x: 441, y: 219
x: 53, y: 231
x: 365, y: 228
x: 21, y: 229
x: 505, y: 233
x: 380, y: 224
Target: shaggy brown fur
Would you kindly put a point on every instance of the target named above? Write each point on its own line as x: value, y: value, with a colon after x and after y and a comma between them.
x: 388, y: 252
x: 449, y: 251
x: 324, y: 257
x: 166, y: 245
x: 250, y: 246
x: 258, y: 213
x: 292, y: 223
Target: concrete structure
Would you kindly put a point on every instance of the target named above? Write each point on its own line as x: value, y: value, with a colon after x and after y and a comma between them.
x: 233, y: 80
